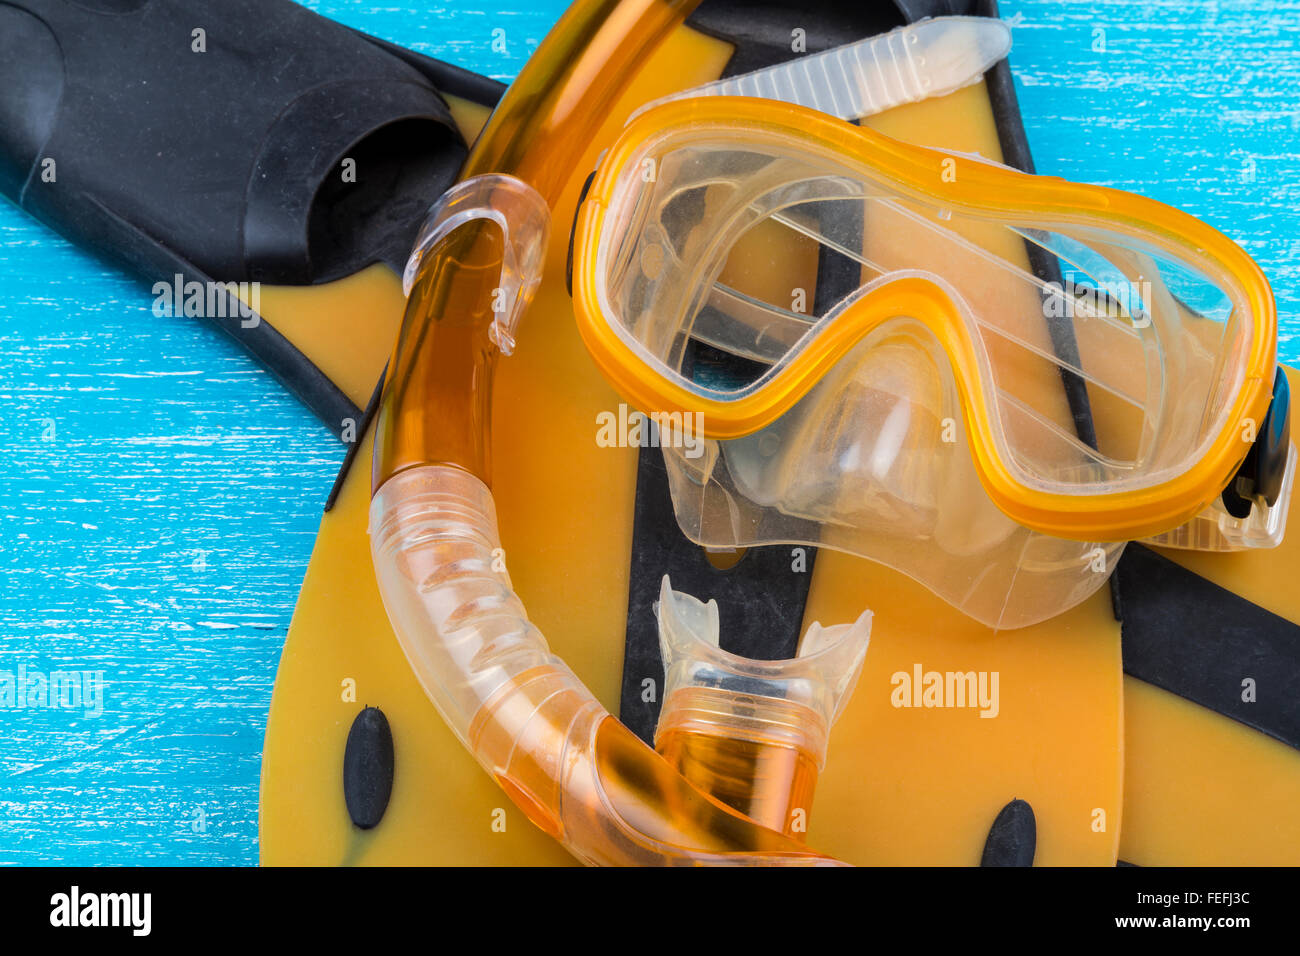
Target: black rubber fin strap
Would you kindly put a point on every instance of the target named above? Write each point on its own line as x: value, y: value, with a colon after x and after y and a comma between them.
x: 915, y: 10
x: 760, y: 598
x: 363, y: 426
x: 1015, y: 153
x: 763, y: 32
x: 1193, y: 638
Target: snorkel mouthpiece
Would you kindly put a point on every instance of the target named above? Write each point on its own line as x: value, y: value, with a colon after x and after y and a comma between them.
x: 752, y: 733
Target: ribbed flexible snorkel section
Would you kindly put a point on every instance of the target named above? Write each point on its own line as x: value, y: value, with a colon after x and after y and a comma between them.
x: 573, y: 769
x: 433, y: 535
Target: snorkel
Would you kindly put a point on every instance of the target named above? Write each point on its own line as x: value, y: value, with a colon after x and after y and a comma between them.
x: 576, y: 772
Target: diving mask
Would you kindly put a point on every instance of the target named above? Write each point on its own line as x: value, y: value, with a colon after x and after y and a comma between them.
x: 986, y: 379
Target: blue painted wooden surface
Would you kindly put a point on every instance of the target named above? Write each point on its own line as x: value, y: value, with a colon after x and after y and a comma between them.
x: 159, y: 493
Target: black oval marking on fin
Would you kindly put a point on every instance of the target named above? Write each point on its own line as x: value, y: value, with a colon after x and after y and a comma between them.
x: 1187, y: 635
x: 1013, y: 838
x: 368, y: 768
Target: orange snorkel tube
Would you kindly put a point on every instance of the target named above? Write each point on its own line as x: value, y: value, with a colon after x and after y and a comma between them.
x: 564, y: 760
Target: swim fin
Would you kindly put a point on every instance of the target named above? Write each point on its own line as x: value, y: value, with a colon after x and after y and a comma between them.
x: 179, y: 139
x: 582, y: 533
